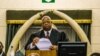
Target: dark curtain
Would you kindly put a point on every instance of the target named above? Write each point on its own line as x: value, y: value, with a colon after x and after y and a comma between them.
x: 11, y: 30
x: 71, y: 34
x: 86, y: 28
x: 73, y: 37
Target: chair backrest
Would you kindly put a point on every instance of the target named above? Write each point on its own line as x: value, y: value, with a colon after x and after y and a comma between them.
x: 95, y: 54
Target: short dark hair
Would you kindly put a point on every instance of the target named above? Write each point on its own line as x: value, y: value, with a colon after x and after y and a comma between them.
x: 1, y: 44
x: 95, y: 54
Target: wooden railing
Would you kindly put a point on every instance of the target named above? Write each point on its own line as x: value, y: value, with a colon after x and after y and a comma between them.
x: 41, y: 52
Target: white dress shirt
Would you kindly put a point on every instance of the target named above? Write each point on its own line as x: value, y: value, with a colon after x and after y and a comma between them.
x: 31, y: 46
x: 45, y: 32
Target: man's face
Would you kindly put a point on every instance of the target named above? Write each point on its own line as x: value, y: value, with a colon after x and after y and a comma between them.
x: 46, y: 23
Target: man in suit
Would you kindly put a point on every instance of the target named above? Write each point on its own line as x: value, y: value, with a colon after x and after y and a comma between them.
x: 47, y: 31
x: 1, y: 50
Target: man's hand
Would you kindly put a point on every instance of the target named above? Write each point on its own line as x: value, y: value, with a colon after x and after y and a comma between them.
x: 35, y: 40
x: 54, y: 47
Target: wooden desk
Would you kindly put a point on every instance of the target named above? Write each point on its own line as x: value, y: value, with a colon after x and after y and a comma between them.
x: 42, y: 52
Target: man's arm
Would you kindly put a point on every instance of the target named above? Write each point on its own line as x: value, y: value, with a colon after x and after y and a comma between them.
x: 32, y: 44
x: 29, y: 41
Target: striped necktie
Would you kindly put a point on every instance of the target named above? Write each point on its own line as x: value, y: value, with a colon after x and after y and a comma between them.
x: 47, y: 36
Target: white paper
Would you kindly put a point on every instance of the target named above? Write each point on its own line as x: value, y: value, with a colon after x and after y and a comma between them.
x: 44, y: 44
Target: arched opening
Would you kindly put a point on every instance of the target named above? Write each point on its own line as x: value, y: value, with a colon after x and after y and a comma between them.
x: 35, y: 17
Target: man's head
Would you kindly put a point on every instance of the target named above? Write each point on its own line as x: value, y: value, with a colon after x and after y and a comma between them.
x: 1, y: 46
x: 46, y: 23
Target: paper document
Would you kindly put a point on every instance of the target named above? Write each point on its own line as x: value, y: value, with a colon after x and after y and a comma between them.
x: 44, y: 44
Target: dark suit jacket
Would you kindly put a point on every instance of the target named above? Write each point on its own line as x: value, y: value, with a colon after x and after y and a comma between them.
x: 3, y: 54
x: 55, y: 36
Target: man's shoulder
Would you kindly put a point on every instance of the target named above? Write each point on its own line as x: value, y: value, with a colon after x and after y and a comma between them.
x: 56, y: 30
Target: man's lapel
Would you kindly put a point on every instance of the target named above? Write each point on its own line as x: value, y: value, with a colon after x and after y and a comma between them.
x: 53, y: 33
x: 42, y: 34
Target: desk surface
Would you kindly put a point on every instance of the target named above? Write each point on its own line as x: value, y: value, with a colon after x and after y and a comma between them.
x: 42, y: 52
